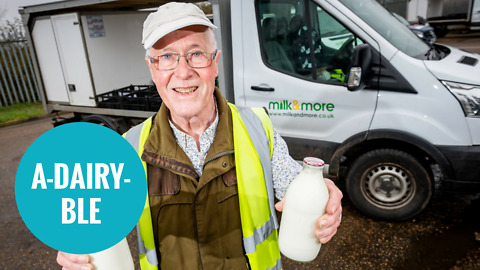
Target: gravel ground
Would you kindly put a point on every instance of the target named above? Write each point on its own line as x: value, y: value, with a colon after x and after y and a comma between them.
x: 442, y: 237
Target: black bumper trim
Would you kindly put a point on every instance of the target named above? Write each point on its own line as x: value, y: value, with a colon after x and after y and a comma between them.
x: 465, y: 162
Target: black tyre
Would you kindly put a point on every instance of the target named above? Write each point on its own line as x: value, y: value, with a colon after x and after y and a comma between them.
x: 440, y: 30
x: 388, y: 184
x: 116, y: 125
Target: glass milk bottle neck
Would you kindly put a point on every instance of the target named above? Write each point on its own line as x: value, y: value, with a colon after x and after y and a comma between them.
x: 313, y: 165
x: 312, y: 168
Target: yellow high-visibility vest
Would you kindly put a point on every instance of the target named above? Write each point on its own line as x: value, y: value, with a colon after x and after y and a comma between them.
x: 253, y: 145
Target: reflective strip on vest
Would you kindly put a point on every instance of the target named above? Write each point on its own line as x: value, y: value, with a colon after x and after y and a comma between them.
x: 262, y: 145
x: 137, y: 136
x: 253, y: 144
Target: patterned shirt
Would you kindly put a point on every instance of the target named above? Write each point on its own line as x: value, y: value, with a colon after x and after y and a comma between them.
x: 188, y: 145
x: 284, y: 167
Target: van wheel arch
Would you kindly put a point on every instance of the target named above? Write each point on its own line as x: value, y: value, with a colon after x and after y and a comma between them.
x: 363, y: 142
x: 117, y: 124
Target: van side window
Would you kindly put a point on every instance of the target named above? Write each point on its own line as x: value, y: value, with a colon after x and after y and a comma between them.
x: 304, y: 40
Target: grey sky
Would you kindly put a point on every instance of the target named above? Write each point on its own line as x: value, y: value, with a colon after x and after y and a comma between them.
x: 9, y: 8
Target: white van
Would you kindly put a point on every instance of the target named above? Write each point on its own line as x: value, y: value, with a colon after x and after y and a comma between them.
x: 394, y: 117
x: 397, y: 120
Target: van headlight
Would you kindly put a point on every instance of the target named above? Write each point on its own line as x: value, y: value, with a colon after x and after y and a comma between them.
x: 419, y: 34
x: 468, y: 95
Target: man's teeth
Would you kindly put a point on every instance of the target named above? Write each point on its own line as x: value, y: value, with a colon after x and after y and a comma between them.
x: 185, y: 91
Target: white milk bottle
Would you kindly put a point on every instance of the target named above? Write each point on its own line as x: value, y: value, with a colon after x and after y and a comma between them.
x: 117, y: 257
x: 304, y: 203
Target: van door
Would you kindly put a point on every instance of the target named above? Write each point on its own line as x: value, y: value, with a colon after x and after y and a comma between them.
x: 49, y: 61
x: 296, y: 65
x: 73, y: 58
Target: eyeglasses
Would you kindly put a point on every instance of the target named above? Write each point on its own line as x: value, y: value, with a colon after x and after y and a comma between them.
x: 169, y: 61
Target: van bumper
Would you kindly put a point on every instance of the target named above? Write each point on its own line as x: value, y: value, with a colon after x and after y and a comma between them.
x: 465, y: 164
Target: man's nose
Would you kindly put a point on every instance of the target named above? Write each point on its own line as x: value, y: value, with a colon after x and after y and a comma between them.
x: 183, y: 70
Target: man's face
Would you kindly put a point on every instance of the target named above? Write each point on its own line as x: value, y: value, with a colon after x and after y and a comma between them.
x: 186, y: 91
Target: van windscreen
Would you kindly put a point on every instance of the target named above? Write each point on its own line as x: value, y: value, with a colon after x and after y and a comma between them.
x: 388, y: 26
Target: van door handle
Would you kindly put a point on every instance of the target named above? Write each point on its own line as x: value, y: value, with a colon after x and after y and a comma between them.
x: 263, y: 87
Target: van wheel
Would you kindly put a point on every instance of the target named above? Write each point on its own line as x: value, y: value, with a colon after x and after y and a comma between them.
x: 388, y: 184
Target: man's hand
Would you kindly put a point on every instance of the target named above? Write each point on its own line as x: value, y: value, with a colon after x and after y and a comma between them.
x: 328, y: 223
x: 73, y: 261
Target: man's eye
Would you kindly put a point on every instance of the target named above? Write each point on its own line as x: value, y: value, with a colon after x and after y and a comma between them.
x: 196, y: 54
x: 165, y: 57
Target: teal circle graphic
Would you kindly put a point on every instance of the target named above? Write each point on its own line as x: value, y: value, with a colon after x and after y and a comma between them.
x: 80, y: 188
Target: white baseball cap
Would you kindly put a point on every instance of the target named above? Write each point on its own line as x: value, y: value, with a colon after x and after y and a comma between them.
x: 170, y: 17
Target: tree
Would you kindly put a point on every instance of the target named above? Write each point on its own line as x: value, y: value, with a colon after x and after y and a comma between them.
x: 11, y: 29
x: 206, y: 7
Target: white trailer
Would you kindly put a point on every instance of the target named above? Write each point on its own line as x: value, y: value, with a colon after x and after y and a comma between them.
x: 443, y: 15
x: 416, y: 8
x: 90, y: 61
x: 446, y: 15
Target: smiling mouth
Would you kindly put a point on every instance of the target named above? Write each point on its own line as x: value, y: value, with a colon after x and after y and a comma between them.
x: 186, y: 91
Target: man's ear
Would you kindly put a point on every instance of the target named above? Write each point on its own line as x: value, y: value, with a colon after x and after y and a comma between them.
x: 217, y: 60
x: 151, y: 68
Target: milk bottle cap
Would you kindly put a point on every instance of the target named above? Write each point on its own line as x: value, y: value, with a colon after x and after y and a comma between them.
x: 313, y: 161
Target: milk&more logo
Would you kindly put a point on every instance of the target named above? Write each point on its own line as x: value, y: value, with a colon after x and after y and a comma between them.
x: 304, y: 109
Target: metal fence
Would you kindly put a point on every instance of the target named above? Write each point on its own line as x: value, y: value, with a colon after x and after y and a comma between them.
x: 17, y: 78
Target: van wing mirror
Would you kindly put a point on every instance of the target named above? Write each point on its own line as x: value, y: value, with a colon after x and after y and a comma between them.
x: 360, y: 68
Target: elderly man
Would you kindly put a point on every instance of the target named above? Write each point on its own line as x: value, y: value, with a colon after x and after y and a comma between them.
x: 209, y: 190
